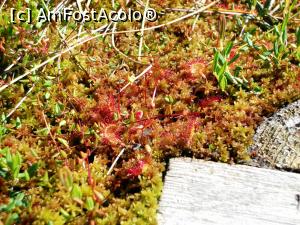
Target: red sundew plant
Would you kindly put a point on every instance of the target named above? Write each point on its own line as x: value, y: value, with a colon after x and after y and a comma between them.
x: 208, y: 101
x: 157, y: 73
x: 111, y: 134
x: 137, y: 169
x: 194, y: 69
x: 102, y: 114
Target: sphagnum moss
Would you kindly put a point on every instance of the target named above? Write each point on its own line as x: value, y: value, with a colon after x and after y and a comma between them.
x: 59, y: 144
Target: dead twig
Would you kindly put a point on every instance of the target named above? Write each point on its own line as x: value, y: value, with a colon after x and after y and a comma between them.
x: 115, y: 161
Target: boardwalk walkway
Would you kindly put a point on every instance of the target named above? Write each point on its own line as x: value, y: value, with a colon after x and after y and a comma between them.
x: 204, y: 193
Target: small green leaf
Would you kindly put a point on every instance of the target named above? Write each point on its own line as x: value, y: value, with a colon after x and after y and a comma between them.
x: 222, y: 70
x: 169, y: 99
x: 9, y: 159
x: 24, y: 175
x: 18, y: 123
x: 11, y: 219
x: 237, y: 71
x: 263, y: 57
x: 228, y: 49
x: 76, y: 192
x: 3, y: 117
x: 231, y: 78
x: 65, y: 213
x: 63, y: 154
x: 267, y: 53
x: 131, y: 79
x: 43, y: 131
x: 216, y: 61
x: 45, y: 180
x: 62, y: 123
x: 298, y: 36
x: 16, y: 164
x: 276, y: 31
x: 89, y: 203
x: 284, y: 29
x: 47, y: 95
x: 32, y: 169
x: 257, y: 90
x: 64, y: 142
x: 247, y: 38
x: 19, y: 199
x: 285, y: 23
x: 66, y: 178
x: 223, y: 83
x: 58, y: 108
x: 234, y: 58
x: 222, y: 59
x: 48, y: 83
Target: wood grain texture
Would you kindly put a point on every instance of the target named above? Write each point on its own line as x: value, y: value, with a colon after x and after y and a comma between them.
x: 277, y: 139
x: 200, y: 192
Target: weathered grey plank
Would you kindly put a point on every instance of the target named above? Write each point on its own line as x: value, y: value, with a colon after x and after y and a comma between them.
x: 200, y: 192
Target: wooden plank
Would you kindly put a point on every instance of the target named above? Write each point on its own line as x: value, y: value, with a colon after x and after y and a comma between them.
x: 200, y: 192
